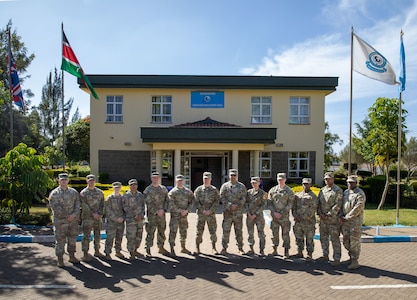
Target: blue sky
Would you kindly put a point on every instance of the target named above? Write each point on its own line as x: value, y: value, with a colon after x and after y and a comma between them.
x: 222, y: 37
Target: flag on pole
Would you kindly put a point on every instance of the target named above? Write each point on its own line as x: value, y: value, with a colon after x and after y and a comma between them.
x: 402, y: 65
x: 14, y: 84
x: 370, y: 63
x: 71, y: 65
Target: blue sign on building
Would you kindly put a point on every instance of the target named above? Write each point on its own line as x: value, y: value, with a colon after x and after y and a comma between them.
x: 207, y: 99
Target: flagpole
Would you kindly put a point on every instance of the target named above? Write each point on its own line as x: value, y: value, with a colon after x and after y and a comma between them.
x: 63, y: 102
x: 10, y: 88
x: 397, y: 216
x: 350, y: 108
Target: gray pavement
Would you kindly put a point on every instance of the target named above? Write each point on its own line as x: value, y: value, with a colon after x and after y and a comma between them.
x: 388, y: 271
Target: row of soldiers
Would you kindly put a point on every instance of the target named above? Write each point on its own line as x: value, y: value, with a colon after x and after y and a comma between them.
x: 339, y: 212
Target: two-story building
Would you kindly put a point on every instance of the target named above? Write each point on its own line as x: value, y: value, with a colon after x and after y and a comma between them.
x: 260, y: 125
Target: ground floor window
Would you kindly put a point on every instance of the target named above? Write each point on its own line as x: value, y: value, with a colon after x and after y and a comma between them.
x: 167, y: 163
x: 298, y: 164
x: 265, y: 163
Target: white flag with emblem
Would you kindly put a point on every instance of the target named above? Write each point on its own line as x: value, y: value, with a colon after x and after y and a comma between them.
x: 369, y: 62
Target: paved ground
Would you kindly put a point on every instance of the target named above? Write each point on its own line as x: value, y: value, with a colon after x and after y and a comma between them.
x: 389, y: 271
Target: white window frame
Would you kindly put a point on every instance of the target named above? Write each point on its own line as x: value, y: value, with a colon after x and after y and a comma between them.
x: 299, y: 110
x: 158, y: 114
x: 298, y: 164
x: 114, y: 109
x: 167, y: 163
x: 263, y: 103
x: 265, y: 164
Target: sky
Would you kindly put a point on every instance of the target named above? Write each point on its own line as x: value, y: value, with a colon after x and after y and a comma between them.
x: 223, y: 37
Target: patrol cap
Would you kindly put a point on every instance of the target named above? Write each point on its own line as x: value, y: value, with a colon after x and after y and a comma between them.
x: 352, y: 178
x: 63, y: 176
x: 232, y: 172
x: 132, y: 181
x: 90, y: 177
x: 281, y: 175
x: 116, y: 184
x: 179, y: 177
x: 306, y: 180
x: 155, y: 174
x: 328, y: 175
x: 207, y: 175
x: 255, y: 179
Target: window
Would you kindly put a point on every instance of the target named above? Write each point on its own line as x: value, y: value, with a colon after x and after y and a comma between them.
x: 167, y: 165
x: 261, y: 110
x: 297, y: 164
x: 299, y: 110
x: 265, y: 163
x: 161, y: 109
x: 114, y: 110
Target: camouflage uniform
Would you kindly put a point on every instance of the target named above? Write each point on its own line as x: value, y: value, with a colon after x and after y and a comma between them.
x: 255, y: 205
x: 63, y: 203
x: 92, y: 201
x: 233, y: 194
x: 179, y: 199
x: 206, y: 198
x: 134, y: 208
x: 330, y: 203
x: 304, y: 213
x: 156, y: 198
x: 113, y: 207
x: 352, y: 211
x: 280, y: 200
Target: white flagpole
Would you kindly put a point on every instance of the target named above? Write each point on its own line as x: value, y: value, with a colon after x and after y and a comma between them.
x: 397, y: 216
x: 350, y: 110
x: 63, y: 102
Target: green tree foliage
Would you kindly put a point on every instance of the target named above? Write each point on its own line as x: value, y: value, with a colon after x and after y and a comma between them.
x: 23, y: 178
x: 409, y: 157
x: 383, y: 135
x: 78, y: 140
x: 330, y: 139
x: 362, y: 145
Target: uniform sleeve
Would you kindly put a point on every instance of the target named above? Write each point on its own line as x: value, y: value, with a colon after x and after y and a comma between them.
x: 216, y: 202
x: 334, y: 211
x: 358, y: 208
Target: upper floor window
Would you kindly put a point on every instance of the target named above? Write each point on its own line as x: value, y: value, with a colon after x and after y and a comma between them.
x: 298, y: 164
x: 261, y: 110
x: 299, y: 110
x: 114, y: 109
x: 161, y: 109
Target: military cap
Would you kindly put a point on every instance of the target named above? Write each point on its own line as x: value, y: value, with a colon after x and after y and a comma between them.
x: 91, y: 177
x: 328, y: 175
x: 132, y: 181
x: 281, y: 175
x: 63, y: 176
x: 155, y: 174
x: 207, y: 175
x: 306, y: 180
x: 351, y: 178
x: 255, y: 179
x: 179, y: 177
x: 232, y: 172
x: 116, y: 184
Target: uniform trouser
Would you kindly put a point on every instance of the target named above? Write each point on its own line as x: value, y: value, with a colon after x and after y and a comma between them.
x: 332, y: 230
x: 114, y: 232
x: 352, y: 231
x: 87, y: 226
x: 285, y: 225
x: 304, y: 231
x: 177, y: 221
x: 235, y: 219
x: 155, y: 222
x: 65, y: 232
x: 134, y: 233
x: 260, y: 226
x: 211, y: 224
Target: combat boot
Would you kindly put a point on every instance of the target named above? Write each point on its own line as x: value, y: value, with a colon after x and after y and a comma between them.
x: 60, y: 261
x: 132, y: 255
x: 274, y: 251
x: 183, y: 249
x: 213, y: 249
x: 224, y: 251
x: 287, y: 253
x: 97, y: 253
x: 354, y: 264
x: 250, y: 252
x: 335, y: 262
x: 240, y: 251
x: 163, y: 251
x: 73, y: 259
x: 197, y: 249
x: 261, y: 252
x: 86, y: 256
x: 299, y: 254
x: 173, y: 251
x: 309, y: 256
x: 119, y: 254
x: 138, y: 254
x: 325, y: 258
x: 108, y: 256
x: 148, y: 252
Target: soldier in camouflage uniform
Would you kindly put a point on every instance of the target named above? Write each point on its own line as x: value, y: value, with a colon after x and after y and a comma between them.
x: 280, y: 201
x: 92, y: 205
x: 134, y: 208
x: 64, y: 202
x: 207, y: 200
x: 233, y: 197
x: 351, y: 218
x: 156, y: 199
x: 255, y: 205
x: 115, y: 221
x: 330, y: 203
x: 304, y: 212
x: 180, y: 203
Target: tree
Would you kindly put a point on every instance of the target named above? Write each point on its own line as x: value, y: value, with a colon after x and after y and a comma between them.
x: 383, y: 133
x: 330, y: 139
x: 409, y: 157
x: 78, y: 140
x: 76, y: 116
x: 362, y: 146
x: 23, y: 178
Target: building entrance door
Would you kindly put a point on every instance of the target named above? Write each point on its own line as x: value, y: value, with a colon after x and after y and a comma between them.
x: 199, y: 165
